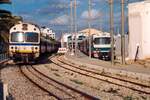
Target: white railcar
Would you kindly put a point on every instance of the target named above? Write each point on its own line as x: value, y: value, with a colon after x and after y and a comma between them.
x: 26, y: 43
x: 100, y: 46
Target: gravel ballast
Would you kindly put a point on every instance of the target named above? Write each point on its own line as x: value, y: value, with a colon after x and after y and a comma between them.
x: 20, y: 87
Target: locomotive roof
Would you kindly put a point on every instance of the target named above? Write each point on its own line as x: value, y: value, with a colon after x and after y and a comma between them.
x: 25, y: 27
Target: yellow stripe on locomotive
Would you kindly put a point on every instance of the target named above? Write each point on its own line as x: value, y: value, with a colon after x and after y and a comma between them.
x: 24, y: 49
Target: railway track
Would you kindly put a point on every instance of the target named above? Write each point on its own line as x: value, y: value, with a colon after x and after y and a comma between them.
x: 136, y: 86
x: 52, y: 86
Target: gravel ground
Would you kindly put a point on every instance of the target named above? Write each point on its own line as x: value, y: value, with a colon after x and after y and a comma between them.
x: 105, y: 90
x: 21, y: 88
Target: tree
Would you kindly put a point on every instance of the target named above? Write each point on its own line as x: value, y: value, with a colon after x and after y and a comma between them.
x: 4, y: 1
x: 7, y: 20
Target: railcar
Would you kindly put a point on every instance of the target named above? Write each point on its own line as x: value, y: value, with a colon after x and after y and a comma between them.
x: 100, y: 46
x: 80, y: 37
x: 26, y: 43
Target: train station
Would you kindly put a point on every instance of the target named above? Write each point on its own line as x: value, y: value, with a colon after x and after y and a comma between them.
x: 74, y: 50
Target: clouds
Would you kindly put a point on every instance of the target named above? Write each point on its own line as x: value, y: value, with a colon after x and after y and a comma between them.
x: 61, y: 20
x: 53, y: 8
x: 42, y: 7
x: 54, y: 13
x: 94, y: 14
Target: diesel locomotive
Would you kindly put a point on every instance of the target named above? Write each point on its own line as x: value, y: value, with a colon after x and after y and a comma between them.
x: 27, y: 44
x: 100, y: 46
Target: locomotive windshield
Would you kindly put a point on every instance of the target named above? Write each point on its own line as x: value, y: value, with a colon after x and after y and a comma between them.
x: 104, y: 40
x: 17, y: 37
x: 31, y: 37
x: 24, y: 37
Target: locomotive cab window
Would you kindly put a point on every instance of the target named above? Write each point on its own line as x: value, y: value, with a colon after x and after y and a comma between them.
x: 31, y: 37
x: 24, y: 37
x: 104, y: 40
x: 17, y: 37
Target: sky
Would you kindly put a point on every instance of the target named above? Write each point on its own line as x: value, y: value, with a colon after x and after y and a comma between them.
x: 55, y: 14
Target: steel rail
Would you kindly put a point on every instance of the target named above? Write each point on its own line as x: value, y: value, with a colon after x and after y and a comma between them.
x: 57, y: 82
x: 113, y: 80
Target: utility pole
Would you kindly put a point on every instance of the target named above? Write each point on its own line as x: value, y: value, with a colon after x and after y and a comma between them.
x: 62, y: 41
x: 67, y: 13
x: 71, y: 27
x: 112, y: 30
x: 122, y: 34
x: 89, y: 23
x: 75, y: 25
x: 100, y: 25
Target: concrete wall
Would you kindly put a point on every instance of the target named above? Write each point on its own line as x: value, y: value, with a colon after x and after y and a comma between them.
x: 139, y: 30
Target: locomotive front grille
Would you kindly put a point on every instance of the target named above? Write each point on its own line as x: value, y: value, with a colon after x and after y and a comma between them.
x: 24, y: 51
x: 105, y: 55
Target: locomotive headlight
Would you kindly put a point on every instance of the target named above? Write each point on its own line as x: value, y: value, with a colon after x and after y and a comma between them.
x: 36, y: 48
x: 11, y: 49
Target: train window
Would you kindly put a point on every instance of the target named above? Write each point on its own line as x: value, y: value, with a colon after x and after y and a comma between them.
x: 81, y: 37
x: 17, y: 37
x: 31, y: 37
x: 104, y: 40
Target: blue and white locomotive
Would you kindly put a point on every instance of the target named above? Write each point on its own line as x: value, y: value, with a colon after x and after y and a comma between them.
x: 26, y: 44
x: 100, y: 48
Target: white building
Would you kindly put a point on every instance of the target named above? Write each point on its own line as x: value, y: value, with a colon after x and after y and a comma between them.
x: 92, y: 31
x: 64, y: 40
x: 48, y: 32
x: 139, y: 30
